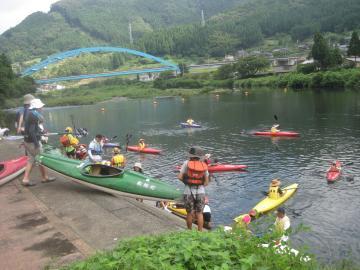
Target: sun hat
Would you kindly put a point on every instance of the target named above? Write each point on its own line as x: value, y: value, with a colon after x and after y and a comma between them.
x: 207, y: 155
x: 116, y: 150
x: 138, y: 164
x: 196, y: 151
x: 275, y: 182
x: 141, y: 140
x: 246, y: 219
x: 28, y: 98
x: 36, y: 104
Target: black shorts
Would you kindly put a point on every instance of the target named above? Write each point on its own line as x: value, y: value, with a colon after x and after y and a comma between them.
x: 207, y: 217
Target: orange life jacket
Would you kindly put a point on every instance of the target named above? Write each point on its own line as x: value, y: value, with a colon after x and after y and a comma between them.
x: 64, y: 140
x: 196, y: 172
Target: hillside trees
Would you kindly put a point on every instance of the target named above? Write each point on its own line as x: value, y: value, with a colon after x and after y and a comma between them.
x: 354, y: 46
x: 10, y: 85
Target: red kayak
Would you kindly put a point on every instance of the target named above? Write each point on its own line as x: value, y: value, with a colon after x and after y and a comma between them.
x: 11, y: 169
x: 333, y: 175
x: 277, y: 134
x: 223, y: 168
x: 145, y: 150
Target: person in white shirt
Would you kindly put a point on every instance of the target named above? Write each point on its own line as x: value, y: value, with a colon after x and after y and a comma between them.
x: 282, y: 223
x: 207, y: 214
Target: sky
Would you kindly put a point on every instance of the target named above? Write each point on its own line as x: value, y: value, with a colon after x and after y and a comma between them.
x: 12, y: 12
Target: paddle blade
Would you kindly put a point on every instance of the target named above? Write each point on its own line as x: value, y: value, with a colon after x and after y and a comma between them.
x: 275, y: 117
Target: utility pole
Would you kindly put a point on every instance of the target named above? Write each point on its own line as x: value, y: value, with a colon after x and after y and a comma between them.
x: 202, y: 18
x: 130, y: 34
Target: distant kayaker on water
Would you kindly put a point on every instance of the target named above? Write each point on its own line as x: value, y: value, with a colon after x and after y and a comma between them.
x: 194, y: 174
x: 334, y: 167
x: 118, y: 160
x: 275, y: 190
x: 95, y: 149
x: 274, y: 128
x: 190, y: 121
x: 142, y: 144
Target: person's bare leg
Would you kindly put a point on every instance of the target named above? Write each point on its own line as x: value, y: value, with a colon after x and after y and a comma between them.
x: 189, y: 220
x: 200, y: 220
x: 28, y: 170
x: 43, y: 171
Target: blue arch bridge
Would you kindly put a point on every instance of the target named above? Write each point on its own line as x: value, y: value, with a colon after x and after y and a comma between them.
x: 73, y: 53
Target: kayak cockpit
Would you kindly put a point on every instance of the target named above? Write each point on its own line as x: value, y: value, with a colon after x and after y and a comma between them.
x: 101, y: 170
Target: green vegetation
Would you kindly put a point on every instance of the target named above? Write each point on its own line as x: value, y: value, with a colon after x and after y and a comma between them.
x: 323, y: 55
x: 84, y: 23
x: 10, y: 85
x: 194, y: 250
x: 243, y: 68
x: 250, y: 22
x: 337, y: 79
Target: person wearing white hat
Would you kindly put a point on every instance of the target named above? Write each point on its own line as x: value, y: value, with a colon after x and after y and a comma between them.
x: 22, y: 112
x: 32, y: 141
x: 138, y: 167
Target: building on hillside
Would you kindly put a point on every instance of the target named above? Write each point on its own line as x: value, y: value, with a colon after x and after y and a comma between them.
x: 45, y: 88
x: 353, y: 60
x: 148, y: 77
x: 241, y: 54
x: 229, y: 58
x: 284, y: 64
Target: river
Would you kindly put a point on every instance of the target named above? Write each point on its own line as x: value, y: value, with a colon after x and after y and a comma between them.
x: 329, y: 123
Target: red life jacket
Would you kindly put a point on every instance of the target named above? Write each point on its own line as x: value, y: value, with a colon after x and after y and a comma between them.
x: 64, y: 140
x: 196, y: 172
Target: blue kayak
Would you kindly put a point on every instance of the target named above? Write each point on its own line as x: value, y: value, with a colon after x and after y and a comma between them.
x: 186, y: 125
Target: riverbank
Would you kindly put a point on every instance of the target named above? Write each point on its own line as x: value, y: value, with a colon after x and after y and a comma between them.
x: 53, y: 224
x: 339, y: 79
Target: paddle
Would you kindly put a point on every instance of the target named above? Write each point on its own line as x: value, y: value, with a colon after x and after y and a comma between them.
x: 275, y: 117
x: 128, y: 137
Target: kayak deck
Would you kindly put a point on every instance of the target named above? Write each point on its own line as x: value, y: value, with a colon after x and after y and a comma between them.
x: 268, y: 204
x: 277, y: 134
x: 146, y: 150
x: 11, y: 169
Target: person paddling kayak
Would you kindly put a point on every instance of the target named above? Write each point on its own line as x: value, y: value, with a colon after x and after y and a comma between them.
x: 275, y: 190
x: 274, y: 128
x: 190, y: 121
x: 142, y: 144
x: 334, y: 167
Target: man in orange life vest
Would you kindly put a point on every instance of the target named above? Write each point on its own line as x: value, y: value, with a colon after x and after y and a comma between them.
x: 194, y: 174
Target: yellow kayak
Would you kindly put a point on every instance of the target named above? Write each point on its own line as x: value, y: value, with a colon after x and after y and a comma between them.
x: 177, y: 211
x: 269, y: 204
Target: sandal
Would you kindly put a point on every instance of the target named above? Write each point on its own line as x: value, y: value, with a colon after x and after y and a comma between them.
x: 28, y: 184
x: 50, y: 179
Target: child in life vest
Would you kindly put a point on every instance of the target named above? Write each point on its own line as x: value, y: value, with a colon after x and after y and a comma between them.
x: 118, y: 160
x: 142, y: 144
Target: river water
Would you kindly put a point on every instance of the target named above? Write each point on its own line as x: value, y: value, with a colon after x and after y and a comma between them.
x: 329, y: 123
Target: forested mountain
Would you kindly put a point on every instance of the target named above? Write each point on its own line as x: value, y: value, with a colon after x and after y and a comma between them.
x: 76, y: 23
x: 250, y: 22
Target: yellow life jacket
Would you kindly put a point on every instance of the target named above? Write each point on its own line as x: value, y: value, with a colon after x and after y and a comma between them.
x: 274, y: 193
x: 73, y: 140
x: 118, y: 161
x: 142, y: 145
x: 274, y: 130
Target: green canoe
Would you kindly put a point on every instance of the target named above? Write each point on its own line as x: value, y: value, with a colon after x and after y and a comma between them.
x: 110, y: 179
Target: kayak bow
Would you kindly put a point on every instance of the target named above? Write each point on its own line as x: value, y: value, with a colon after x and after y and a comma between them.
x: 11, y: 169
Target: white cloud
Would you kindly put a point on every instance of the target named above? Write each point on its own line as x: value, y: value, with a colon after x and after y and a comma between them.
x: 14, y: 11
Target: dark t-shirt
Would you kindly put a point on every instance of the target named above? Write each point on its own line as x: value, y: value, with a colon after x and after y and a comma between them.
x: 32, y: 129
